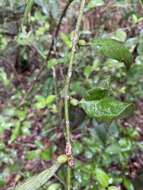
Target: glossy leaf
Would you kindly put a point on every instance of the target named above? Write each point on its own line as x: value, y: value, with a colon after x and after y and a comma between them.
x: 96, y: 94
x: 106, y: 109
x: 113, y: 49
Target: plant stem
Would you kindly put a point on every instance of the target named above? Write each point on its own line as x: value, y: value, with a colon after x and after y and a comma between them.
x: 29, y: 4
x: 67, y: 84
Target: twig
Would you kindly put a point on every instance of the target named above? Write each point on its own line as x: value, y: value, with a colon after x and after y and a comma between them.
x: 54, y: 39
x: 58, y: 27
x: 67, y: 84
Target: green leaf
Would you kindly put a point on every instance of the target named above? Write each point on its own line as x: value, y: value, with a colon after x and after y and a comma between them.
x: 24, y: 38
x: 96, y: 94
x: 42, y: 102
x: 46, y: 154
x: 102, y: 178
x: 54, y: 186
x: 113, y: 188
x: 88, y: 70
x: 66, y: 39
x: 127, y: 184
x: 52, y: 62
x: 106, y: 109
x: 3, y: 77
x: 125, y: 144
x: 30, y: 155
x: 94, y: 3
x: 36, y: 182
x: 77, y: 148
x: 113, y: 49
x: 50, y: 99
x: 15, y: 132
x: 113, y: 149
x: 120, y: 35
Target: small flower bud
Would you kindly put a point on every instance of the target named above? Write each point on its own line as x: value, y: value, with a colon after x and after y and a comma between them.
x: 62, y: 159
x: 68, y: 149
x: 71, y: 162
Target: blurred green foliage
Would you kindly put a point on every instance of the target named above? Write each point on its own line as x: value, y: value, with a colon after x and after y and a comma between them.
x: 102, y: 150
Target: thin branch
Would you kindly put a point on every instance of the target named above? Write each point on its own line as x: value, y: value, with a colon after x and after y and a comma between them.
x: 67, y: 84
x: 53, y: 42
x: 54, y: 39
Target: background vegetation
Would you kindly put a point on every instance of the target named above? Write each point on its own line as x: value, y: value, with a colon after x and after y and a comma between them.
x: 35, y: 49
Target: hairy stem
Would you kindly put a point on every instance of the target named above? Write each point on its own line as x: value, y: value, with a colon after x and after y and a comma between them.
x: 67, y: 84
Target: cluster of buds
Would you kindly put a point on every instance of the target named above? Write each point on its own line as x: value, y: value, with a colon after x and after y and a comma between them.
x: 68, y: 152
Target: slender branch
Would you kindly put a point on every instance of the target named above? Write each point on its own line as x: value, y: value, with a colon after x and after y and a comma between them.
x: 54, y: 39
x: 67, y: 84
x: 53, y: 42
